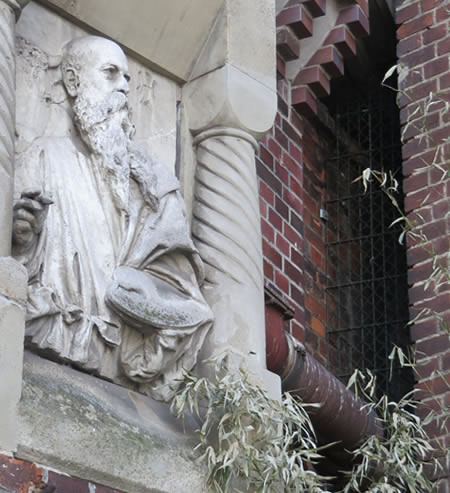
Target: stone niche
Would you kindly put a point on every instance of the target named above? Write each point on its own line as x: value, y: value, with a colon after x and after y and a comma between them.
x: 69, y: 420
x: 202, y: 90
x: 42, y: 107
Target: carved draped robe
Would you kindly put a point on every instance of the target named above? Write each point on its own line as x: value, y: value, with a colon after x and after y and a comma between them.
x: 141, y: 258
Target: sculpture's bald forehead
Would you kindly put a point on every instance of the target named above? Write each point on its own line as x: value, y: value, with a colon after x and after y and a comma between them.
x: 92, y: 48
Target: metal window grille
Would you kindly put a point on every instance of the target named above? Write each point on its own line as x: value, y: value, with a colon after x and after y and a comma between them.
x: 367, y: 302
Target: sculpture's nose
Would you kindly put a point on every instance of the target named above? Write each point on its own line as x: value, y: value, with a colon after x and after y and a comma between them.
x: 123, y: 85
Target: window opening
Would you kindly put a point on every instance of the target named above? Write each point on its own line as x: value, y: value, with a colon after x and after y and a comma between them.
x: 367, y: 300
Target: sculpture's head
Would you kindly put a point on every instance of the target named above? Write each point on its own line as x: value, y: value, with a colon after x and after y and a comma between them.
x: 94, y: 68
x: 95, y: 75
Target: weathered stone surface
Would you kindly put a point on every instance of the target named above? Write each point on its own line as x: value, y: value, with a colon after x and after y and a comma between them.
x: 13, y: 280
x: 12, y: 321
x: 42, y: 105
x: 124, y: 303
x: 99, y: 431
x: 167, y: 35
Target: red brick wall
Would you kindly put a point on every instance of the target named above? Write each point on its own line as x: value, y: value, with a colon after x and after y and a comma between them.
x: 19, y: 476
x: 423, y: 48
x: 291, y: 181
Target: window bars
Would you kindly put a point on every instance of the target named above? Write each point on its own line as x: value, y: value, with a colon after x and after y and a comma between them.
x: 367, y: 300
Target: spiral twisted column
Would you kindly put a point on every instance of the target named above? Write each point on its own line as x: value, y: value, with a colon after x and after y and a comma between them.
x: 7, y: 119
x: 226, y: 229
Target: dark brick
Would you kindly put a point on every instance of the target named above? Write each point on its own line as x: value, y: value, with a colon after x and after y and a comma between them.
x: 274, y: 148
x: 268, y: 270
x: 67, y: 484
x: 297, y: 295
x: 406, y: 13
x: 292, y: 235
x: 422, y: 90
x: 356, y: 20
x: 440, y: 210
x: 296, y: 257
x: 423, y: 328
x: 343, y: 39
x: 297, y: 223
x: 436, y: 66
x: 268, y: 177
x: 317, y: 8
x: 298, y: 331
x: 271, y: 254
x: 293, y: 166
x: 267, y: 231
x: 297, y: 121
x: 434, y: 345
x: 266, y: 193
x: 282, y: 282
x: 297, y: 19
x: 281, y: 138
x: 407, y: 45
x: 413, y: 147
x: 281, y: 208
x: 282, y: 244
x: 430, y: 4
x: 415, y: 25
x: 292, y: 272
x: 415, y: 163
x: 435, y: 33
x: 287, y: 44
x: 282, y: 106
x: 290, y: 131
x: 416, y: 181
x: 275, y: 219
x: 17, y: 475
x: 266, y: 156
x: 296, y: 153
x: 430, y: 195
x: 436, y: 229
x: 291, y: 199
x: 443, y: 47
x: 419, y: 56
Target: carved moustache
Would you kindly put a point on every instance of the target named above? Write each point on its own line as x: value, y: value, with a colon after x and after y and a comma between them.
x: 91, y: 114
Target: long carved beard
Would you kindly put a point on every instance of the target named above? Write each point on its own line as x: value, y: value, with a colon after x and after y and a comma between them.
x: 107, y: 131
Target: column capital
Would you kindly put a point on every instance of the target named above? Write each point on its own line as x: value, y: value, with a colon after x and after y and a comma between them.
x: 229, y: 98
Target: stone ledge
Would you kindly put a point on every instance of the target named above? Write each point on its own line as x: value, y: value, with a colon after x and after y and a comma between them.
x: 99, y: 431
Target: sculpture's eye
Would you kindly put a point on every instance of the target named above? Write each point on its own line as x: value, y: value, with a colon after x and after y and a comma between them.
x: 111, y: 71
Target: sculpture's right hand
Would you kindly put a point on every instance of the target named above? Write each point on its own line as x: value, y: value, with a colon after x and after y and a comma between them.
x: 30, y: 212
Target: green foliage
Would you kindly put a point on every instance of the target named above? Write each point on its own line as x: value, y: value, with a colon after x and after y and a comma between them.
x: 249, y: 441
x: 393, y: 461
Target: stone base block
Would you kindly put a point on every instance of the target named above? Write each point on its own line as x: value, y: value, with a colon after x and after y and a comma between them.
x: 96, y: 430
x: 13, y: 288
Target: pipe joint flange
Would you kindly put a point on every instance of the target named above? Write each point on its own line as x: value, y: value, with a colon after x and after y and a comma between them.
x: 296, y: 344
x: 295, y: 348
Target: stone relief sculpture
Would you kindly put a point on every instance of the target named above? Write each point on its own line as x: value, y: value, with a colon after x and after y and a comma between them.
x: 100, y: 226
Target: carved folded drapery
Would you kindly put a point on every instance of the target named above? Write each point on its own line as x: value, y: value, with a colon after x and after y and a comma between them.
x: 226, y: 230
x: 100, y: 225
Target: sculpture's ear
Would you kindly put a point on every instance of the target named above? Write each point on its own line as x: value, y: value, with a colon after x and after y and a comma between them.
x: 71, y: 81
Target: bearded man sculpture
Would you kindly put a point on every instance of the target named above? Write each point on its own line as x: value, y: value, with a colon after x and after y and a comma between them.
x: 100, y: 225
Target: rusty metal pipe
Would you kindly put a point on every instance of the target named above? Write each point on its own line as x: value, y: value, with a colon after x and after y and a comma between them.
x: 341, y: 416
